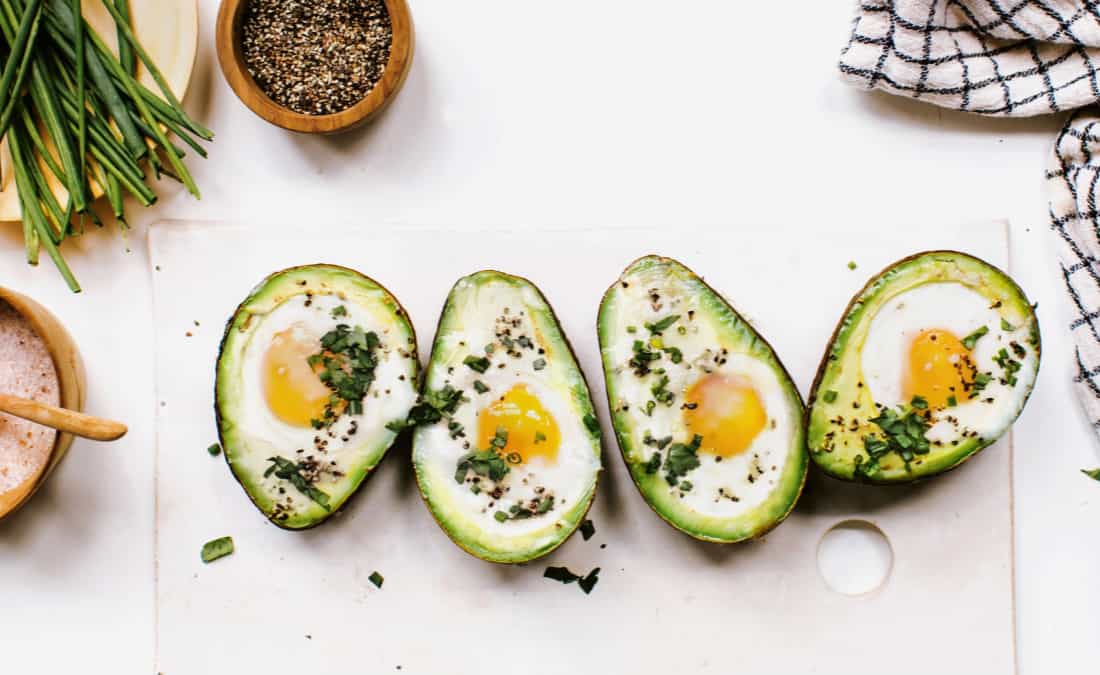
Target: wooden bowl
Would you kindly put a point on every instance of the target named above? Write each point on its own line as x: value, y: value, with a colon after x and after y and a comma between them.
x: 231, y: 58
x: 71, y: 386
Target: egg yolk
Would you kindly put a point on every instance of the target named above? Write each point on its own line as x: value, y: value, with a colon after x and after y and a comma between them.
x: 532, y: 431
x: 939, y: 368
x: 292, y: 389
x: 726, y: 411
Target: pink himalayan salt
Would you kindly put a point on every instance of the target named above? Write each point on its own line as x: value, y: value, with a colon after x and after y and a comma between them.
x: 27, y: 371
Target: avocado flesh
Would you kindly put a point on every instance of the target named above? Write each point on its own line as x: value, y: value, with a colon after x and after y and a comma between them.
x: 838, y: 449
x: 248, y: 451
x: 731, y: 332
x: 470, y: 309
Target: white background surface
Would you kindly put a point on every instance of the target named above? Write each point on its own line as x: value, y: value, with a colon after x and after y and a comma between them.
x: 657, y: 587
x: 522, y: 115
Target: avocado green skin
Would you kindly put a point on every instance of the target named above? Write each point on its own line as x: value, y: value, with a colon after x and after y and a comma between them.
x: 904, y: 275
x: 272, y: 291
x: 653, y: 488
x: 547, y: 322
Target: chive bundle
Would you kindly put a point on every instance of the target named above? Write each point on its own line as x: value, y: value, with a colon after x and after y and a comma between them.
x: 75, y: 114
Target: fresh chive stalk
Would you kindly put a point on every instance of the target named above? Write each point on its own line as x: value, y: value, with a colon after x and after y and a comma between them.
x: 75, y: 115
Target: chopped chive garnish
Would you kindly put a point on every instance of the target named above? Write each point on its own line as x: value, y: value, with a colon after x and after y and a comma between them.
x: 561, y: 574
x: 340, y: 311
x: 217, y: 548
x: 971, y: 340
x: 657, y: 327
x: 539, y: 437
x: 1005, y: 325
x: 480, y: 386
x: 589, y: 582
x: 1092, y: 473
x: 291, y: 472
x: 214, y: 450
x: 587, y: 529
x: 477, y: 363
x: 952, y: 401
x: 829, y: 396
x: 376, y: 579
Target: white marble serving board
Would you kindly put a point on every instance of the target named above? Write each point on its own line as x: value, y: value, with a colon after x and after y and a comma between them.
x: 302, y: 602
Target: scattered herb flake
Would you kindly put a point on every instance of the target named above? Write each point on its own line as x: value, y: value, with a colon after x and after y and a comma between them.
x: 658, y: 327
x: 476, y: 363
x: 643, y: 356
x: 214, y: 450
x: 829, y: 396
x: 538, y: 364
x: 852, y: 264
x: 660, y: 391
x: 217, y: 548
x: 433, y: 406
x: 345, y: 365
x: 970, y: 341
x: 904, y: 430
x: 376, y: 579
x: 339, y: 311
x: 682, y: 458
x: 589, y: 581
x: 480, y: 386
x: 561, y: 574
x: 1005, y: 325
x: 981, y: 380
x: 1092, y: 473
x: 289, y: 471
x: 587, y: 529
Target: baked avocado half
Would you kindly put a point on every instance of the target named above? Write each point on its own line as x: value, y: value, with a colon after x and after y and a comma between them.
x: 707, y: 418
x: 507, y: 451
x: 932, y: 361
x: 313, y: 365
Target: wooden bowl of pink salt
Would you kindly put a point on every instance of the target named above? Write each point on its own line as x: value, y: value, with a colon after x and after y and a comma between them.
x: 39, y: 361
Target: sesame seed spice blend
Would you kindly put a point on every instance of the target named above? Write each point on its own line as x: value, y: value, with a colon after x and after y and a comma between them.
x: 317, y: 57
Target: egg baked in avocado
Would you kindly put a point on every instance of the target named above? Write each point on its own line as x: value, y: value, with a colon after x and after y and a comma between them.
x: 933, y: 361
x: 507, y: 443
x: 707, y: 418
x: 314, y: 365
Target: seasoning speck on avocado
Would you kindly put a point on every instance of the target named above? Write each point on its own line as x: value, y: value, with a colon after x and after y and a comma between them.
x: 316, y: 58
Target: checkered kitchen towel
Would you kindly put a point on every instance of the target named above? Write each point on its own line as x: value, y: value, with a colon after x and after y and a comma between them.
x: 1073, y: 181
x: 994, y: 57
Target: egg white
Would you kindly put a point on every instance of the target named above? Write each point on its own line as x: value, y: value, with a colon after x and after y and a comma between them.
x: 957, y: 308
x: 569, y: 478
x: 766, y: 456
x: 389, y: 397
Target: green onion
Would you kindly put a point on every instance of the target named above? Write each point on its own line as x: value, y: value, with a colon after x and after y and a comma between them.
x: 76, y: 116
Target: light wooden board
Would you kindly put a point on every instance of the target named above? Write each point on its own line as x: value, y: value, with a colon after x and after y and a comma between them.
x: 301, y: 602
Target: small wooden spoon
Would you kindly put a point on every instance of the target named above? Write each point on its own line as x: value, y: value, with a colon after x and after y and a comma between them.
x: 78, y: 424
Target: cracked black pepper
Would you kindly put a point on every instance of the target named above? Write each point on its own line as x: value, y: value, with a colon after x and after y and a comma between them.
x: 316, y: 57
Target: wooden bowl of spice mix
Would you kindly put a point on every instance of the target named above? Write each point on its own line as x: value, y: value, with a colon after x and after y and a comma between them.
x: 41, y: 363
x: 315, y: 67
